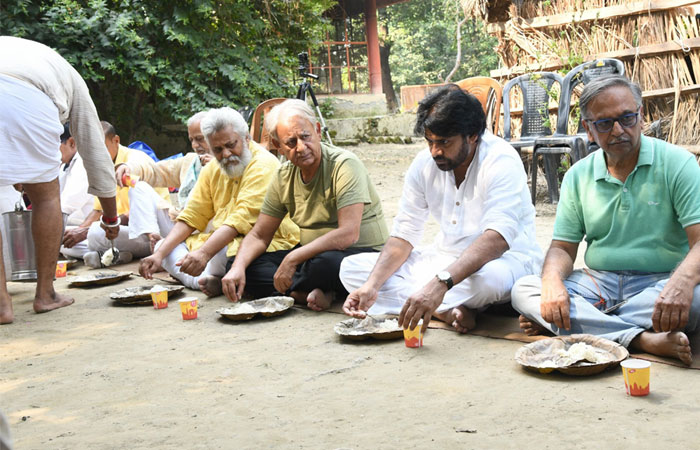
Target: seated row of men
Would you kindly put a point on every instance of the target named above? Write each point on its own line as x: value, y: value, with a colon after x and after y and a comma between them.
x: 313, y: 227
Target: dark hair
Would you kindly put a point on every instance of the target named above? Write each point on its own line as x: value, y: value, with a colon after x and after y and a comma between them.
x: 450, y: 111
x: 66, y: 132
x: 109, y: 129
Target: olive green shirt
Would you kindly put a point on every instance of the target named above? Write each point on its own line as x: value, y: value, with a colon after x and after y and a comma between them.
x: 341, y: 180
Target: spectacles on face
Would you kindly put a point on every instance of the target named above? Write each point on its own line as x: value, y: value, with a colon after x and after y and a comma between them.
x: 625, y: 121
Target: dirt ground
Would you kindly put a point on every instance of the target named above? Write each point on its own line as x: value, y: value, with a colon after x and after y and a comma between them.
x: 99, y: 376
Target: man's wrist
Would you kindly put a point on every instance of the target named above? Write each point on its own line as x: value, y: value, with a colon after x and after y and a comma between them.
x: 110, y: 222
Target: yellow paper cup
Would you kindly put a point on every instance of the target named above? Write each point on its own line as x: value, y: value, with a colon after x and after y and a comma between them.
x: 61, y: 268
x: 413, y: 338
x: 188, y: 307
x: 130, y: 180
x: 636, y: 373
x: 159, y: 295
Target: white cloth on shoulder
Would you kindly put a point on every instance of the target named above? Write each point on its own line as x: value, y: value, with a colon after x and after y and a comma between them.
x: 30, y: 134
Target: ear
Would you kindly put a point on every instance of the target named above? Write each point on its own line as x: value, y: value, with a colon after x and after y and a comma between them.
x: 116, y: 139
x: 588, y: 127
x: 318, y: 128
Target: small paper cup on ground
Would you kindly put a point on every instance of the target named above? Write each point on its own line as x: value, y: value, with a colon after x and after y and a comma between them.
x: 414, y: 338
x: 61, y: 268
x: 636, y: 373
x: 159, y: 295
x: 188, y: 307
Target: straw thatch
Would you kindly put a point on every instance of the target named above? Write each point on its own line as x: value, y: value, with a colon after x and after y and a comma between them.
x: 560, y: 47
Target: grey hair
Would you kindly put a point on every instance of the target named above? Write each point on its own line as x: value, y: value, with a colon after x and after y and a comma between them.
x: 291, y: 107
x: 598, y: 85
x: 216, y: 120
x: 196, y: 118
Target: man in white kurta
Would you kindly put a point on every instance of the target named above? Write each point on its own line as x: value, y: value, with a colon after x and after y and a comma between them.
x: 73, y: 182
x: 474, y: 185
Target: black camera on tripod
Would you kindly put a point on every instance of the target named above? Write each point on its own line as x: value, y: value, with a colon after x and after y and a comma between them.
x: 304, y: 66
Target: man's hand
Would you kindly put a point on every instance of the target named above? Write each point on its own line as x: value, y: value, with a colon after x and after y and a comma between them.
x: 205, y: 158
x: 422, y: 305
x: 110, y: 232
x: 359, y: 301
x: 124, y: 218
x: 74, y: 236
x: 193, y: 263
x: 150, y: 265
x: 283, y: 277
x: 233, y: 284
x: 672, y: 308
x: 121, y: 170
x: 555, y: 303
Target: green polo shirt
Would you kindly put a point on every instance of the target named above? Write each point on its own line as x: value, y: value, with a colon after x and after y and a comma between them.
x: 341, y: 180
x: 638, y: 224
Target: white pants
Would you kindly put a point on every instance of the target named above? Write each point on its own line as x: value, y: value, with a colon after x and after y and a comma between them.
x: 145, y: 217
x: 216, y: 266
x: 489, y: 285
x: 97, y: 241
x: 76, y: 251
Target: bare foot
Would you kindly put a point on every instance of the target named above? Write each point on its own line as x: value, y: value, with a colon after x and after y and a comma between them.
x: 531, y: 327
x: 461, y: 318
x: 674, y: 344
x: 210, y: 285
x: 42, y: 305
x: 6, y: 313
x: 319, y: 300
x: 153, y: 239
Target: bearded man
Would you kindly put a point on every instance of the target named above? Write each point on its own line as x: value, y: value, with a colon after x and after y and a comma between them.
x: 474, y: 185
x: 223, y: 206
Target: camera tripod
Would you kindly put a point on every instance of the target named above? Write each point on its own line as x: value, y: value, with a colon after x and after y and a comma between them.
x: 305, y: 87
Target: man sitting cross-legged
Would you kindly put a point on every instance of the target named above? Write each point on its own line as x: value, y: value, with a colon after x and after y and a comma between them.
x: 227, y: 197
x: 636, y: 203
x: 474, y: 185
x: 328, y: 193
x: 149, y: 213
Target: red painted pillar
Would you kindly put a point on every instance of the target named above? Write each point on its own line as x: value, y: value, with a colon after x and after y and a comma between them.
x: 375, y: 66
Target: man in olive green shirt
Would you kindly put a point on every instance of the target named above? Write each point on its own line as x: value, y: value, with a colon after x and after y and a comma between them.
x: 327, y: 192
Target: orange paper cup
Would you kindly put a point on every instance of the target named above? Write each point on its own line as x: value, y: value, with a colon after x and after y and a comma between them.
x: 188, y: 307
x: 413, y: 338
x: 61, y: 268
x: 129, y: 180
x: 636, y: 373
x: 159, y: 295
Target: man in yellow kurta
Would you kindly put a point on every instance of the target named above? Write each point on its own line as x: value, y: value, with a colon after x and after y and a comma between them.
x: 223, y: 206
x: 88, y: 240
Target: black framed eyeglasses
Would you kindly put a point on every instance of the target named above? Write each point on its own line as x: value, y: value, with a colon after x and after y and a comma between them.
x: 625, y: 121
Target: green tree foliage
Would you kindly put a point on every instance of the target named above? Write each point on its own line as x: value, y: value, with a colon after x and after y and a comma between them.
x: 149, y: 63
x: 424, y: 45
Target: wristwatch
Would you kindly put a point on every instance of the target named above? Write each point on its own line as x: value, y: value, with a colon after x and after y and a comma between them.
x: 444, y: 277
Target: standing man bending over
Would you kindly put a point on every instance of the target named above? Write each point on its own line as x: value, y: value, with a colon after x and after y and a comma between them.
x: 227, y: 197
x: 474, y: 185
x: 40, y: 91
x: 328, y: 194
x: 636, y: 203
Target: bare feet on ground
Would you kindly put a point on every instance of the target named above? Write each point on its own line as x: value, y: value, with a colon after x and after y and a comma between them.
x: 532, y: 328
x: 6, y: 313
x: 461, y: 318
x: 210, y: 285
x: 674, y: 344
x: 316, y: 300
x: 55, y: 301
x: 153, y: 239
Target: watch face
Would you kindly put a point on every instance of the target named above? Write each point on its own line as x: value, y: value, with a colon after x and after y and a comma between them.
x: 444, y: 275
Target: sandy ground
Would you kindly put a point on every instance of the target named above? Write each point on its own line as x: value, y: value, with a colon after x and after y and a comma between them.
x: 99, y: 376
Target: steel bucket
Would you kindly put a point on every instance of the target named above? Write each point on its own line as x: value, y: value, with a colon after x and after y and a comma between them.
x: 18, y: 228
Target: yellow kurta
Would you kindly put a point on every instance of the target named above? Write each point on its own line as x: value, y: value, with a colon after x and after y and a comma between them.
x: 125, y: 154
x: 235, y: 202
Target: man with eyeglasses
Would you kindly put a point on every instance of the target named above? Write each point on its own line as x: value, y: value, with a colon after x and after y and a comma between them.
x: 636, y: 203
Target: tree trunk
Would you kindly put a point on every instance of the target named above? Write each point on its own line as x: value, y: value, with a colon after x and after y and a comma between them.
x: 392, y: 103
x: 458, y: 59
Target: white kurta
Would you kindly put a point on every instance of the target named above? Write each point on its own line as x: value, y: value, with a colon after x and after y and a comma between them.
x: 493, y: 196
x: 75, y: 200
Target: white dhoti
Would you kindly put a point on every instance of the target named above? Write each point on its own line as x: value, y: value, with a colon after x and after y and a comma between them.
x: 97, y: 241
x: 148, y: 212
x: 489, y: 285
x: 30, y: 133
x: 76, y: 251
x: 216, y: 266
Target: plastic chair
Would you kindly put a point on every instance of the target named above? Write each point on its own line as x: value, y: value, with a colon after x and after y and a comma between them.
x: 536, y: 88
x: 258, y: 133
x: 490, y: 93
x: 577, y: 146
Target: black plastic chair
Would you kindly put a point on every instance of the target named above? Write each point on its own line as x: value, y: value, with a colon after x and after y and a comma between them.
x: 536, y: 89
x: 577, y: 146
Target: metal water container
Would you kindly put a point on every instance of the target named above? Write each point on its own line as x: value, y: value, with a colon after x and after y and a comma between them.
x: 18, y: 228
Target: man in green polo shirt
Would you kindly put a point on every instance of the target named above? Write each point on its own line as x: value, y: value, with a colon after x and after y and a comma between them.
x: 327, y: 192
x: 637, y: 203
